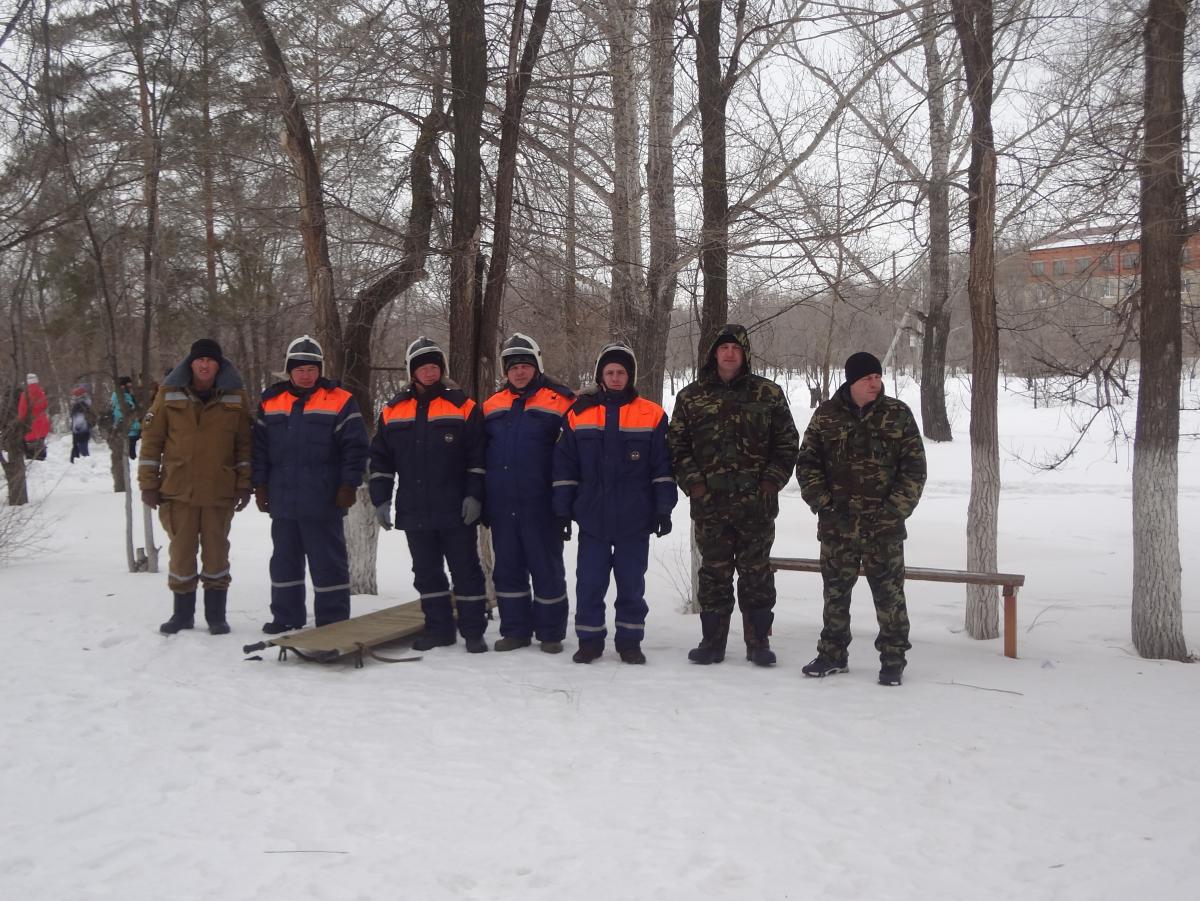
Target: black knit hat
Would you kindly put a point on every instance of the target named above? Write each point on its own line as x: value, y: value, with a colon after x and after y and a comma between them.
x: 205, y: 347
x: 862, y: 364
x: 617, y: 353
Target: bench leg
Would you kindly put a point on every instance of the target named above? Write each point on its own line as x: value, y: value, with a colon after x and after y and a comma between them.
x: 1010, y: 621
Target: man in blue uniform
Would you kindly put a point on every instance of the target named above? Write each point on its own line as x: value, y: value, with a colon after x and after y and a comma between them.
x: 429, y: 446
x: 523, y: 421
x: 310, y: 451
x: 612, y: 475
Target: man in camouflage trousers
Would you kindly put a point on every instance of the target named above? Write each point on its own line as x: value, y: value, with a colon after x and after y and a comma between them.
x: 733, y: 445
x: 862, y: 470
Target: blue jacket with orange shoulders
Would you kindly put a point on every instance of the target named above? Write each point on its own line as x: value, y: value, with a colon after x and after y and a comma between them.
x: 612, y: 471
x: 429, y: 444
x: 522, y: 428
x: 307, y: 444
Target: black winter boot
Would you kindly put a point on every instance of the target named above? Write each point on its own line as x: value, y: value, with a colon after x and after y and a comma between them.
x: 589, y: 649
x: 631, y: 653
x: 184, y: 616
x: 715, y: 628
x: 214, y: 610
x: 757, y: 626
x: 427, y: 641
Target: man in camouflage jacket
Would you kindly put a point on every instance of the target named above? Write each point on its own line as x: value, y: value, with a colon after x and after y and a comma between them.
x: 862, y: 470
x: 733, y: 445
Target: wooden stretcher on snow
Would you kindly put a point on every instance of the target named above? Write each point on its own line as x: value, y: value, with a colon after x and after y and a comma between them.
x: 357, y: 637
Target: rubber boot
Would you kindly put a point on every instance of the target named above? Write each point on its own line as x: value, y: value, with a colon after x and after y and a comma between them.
x: 715, y: 628
x: 589, y: 649
x: 214, y: 610
x: 632, y: 652
x: 757, y: 627
x: 184, y: 616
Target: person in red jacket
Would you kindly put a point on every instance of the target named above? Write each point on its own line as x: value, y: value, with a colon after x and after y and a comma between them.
x: 33, y: 408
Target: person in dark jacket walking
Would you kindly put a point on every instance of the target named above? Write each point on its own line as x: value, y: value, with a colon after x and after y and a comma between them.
x: 81, y: 422
x: 862, y: 470
x: 310, y: 451
x: 733, y: 445
x: 194, y: 466
x: 523, y: 421
x: 124, y: 402
x: 429, y: 447
x: 612, y: 475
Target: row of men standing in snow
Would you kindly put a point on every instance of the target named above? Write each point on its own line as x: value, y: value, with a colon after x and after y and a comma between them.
x: 544, y: 459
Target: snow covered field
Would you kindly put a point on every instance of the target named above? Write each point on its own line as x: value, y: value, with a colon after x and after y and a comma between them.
x: 137, y: 766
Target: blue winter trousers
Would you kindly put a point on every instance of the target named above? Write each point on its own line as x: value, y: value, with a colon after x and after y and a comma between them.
x: 626, y: 559
x: 323, y: 542
x: 455, y: 546
x: 529, y: 546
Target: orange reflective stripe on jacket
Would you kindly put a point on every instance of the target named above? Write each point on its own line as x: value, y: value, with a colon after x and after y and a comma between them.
x: 544, y: 400
x: 439, y: 409
x: 640, y: 415
x: 323, y: 400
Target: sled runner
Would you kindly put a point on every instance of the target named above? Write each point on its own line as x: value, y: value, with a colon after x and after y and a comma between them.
x: 357, y: 636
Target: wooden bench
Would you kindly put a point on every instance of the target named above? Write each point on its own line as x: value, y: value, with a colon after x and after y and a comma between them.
x: 1010, y: 582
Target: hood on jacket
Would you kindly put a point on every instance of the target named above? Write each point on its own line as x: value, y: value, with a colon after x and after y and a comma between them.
x: 739, y: 334
x: 228, y: 378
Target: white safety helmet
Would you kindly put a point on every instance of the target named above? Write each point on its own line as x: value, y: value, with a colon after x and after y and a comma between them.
x: 304, y: 351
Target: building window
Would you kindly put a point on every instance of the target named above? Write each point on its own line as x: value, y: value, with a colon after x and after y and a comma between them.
x: 1060, y: 267
x: 1129, y: 261
x: 1038, y: 268
x: 1083, y: 264
x: 1108, y: 264
x: 1186, y: 256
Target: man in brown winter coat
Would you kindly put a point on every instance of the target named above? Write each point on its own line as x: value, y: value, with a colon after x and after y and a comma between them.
x: 194, y: 467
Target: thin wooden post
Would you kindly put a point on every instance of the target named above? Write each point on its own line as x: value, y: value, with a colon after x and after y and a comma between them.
x: 1010, y: 621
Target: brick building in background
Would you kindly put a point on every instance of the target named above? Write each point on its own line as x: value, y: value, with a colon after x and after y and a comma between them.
x: 1097, y: 267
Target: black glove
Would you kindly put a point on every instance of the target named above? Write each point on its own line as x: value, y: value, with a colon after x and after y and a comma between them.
x: 662, y: 524
x: 564, y: 523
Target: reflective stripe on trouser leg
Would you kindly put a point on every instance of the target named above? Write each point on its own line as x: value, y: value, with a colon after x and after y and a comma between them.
x: 431, y: 582
x: 511, y: 578
x: 592, y: 567
x: 181, y: 522
x: 287, y: 573
x: 429, y: 578
x: 883, y: 563
x: 325, y: 546
x: 840, y: 558
x: 470, y: 590
x: 214, y: 545
x: 630, y: 556
x: 544, y: 553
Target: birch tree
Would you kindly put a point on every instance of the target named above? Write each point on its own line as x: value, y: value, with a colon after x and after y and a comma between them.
x: 1157, y: 591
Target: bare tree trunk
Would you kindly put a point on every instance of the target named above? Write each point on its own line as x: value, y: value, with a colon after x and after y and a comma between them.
x: 515, y: 89
x: 618, y: 25
x: 206, y: 168
x: 468, y: 80
x: 151, y: 170
x: 570, y: 300
x: 714, y: 237
x: 313, y: 231
x: 936, y: 318
x: 973, y: 22
x: 650, y: 343
x: 1157, y: 591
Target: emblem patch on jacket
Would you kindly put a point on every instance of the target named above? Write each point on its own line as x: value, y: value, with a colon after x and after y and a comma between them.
x: 635, y: 455
x: 448, y: 437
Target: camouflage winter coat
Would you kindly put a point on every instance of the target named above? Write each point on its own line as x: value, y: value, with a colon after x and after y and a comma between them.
x: 731, y: 437
x: 861, y: 471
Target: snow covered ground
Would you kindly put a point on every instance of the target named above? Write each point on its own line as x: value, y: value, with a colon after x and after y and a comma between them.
x: 143, y: 767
